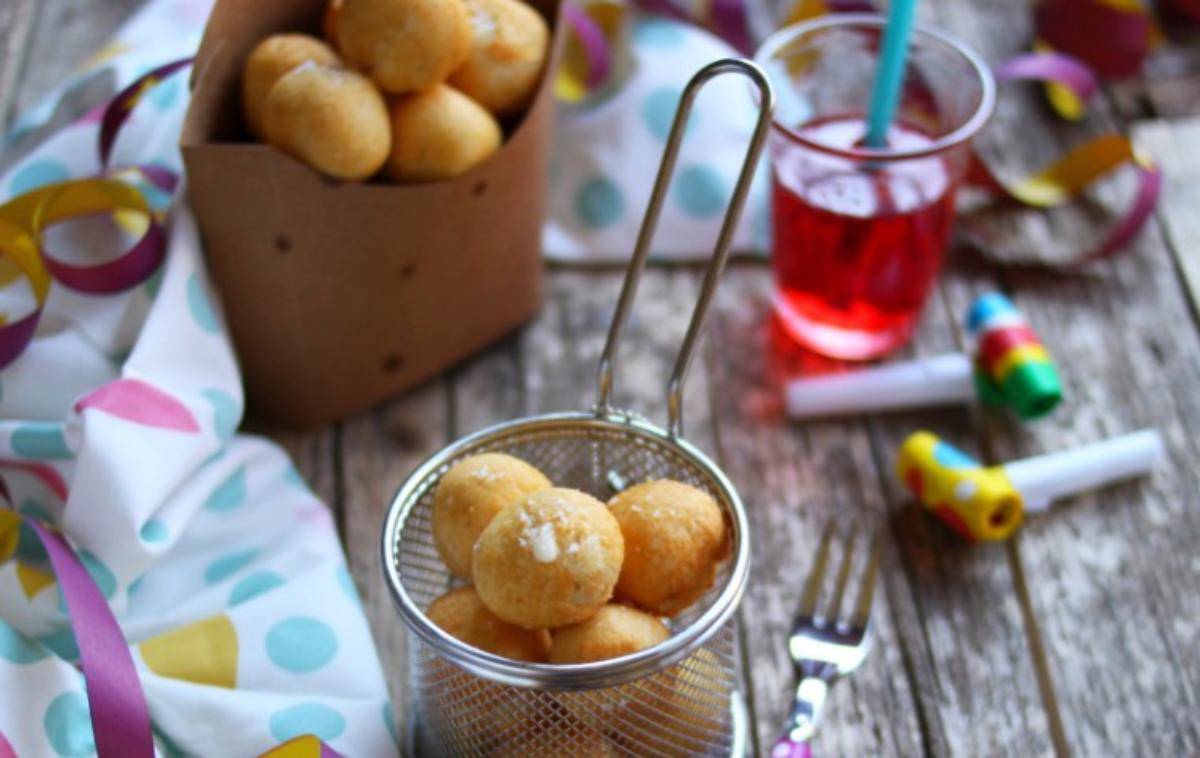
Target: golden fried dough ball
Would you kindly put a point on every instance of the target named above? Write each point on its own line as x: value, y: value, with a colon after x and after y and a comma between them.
x: 329, y: 21
x: 438, y: 134
x: 269, y: 61
x: 472, y: 492
x: 614, y: 631
x: 548, y: 561
x: 461, y: 615
x: 331, y: 118
x: 508, y: 48
x: 675, y: 537
x: 404, y: 45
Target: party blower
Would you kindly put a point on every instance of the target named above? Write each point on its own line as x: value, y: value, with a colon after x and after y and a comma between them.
x: 1010, y: 367
x: 989, y: 502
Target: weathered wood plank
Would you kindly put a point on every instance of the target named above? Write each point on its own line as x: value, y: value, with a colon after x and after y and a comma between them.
x: 1173, y: 142
x: 949, y: 674
x: 17, y: 19
x: 377, y: 451
x: 1108, y: 575
x: 1102, y: 582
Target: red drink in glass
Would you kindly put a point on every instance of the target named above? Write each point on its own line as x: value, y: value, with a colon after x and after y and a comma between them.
x: 860, y: 231
x: 857, y: 248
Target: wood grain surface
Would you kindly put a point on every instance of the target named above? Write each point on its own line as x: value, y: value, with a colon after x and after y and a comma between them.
x: 1077, y: 637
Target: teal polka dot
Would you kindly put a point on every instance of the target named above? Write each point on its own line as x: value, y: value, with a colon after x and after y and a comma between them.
x: 154, y: 282
x: 347, y: 583
x: 29, y: 546
x: 307, y: 718
x: 62, y: 643
x: 389, y: 721
x: 164, y: 95
x: 301, y: 644
x: 36, y: 174
x: 658, y: 112
x: 254, y: 585
x: 34, y: 509
x: 228, y: 565
x: 69, y: 726
x: 226, y: 412
x: 199, y: 305
x: 293, y: 477
x: 104, y: 579
x: 155, y: 531
x: 700, y: 191
x: 136, y: 585
x: 599, y: 203
x: 17, y: 648
x: 230, y: 494
x: 657, y: 32
x: 40, y: 439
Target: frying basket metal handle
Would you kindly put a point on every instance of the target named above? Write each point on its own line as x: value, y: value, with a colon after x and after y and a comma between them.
x: 720, y: 251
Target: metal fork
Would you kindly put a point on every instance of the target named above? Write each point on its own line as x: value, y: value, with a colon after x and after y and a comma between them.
x: 823, y: 647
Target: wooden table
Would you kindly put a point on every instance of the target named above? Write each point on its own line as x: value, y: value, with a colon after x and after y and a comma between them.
x: 1081, y: 635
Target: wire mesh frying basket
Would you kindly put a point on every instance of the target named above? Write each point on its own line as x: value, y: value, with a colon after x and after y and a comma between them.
x: 676, y: 698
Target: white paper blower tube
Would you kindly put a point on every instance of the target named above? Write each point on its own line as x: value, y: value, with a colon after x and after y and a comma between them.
x: 1046, y: 478
x: 940, y: 380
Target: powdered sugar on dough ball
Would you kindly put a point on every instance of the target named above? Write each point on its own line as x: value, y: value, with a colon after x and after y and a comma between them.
x: 550, y: 560
x: 469, y: 496
x: 675, y: 539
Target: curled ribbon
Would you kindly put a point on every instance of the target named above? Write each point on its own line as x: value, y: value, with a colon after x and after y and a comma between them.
x: 25, y: 218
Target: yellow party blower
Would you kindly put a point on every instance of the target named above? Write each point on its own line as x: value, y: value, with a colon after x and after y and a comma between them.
x: 989, y: 502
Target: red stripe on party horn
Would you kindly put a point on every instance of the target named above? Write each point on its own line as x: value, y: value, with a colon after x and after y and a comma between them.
x: 997, y: 342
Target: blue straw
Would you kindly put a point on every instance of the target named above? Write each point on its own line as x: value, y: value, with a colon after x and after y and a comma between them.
x: 890, y: 74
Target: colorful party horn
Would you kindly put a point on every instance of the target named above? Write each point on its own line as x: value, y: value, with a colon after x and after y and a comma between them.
x: 989, y: 502
x: 1010, y: 367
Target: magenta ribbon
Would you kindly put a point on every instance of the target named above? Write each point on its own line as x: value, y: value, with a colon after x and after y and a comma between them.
x: 595, y: 46
x: 120, y: 717
x: 1056, y: 67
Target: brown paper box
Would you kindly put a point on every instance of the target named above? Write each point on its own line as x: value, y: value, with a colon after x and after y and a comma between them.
x: 340, y: 294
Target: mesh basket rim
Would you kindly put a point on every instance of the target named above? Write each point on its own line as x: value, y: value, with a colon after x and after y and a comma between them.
x: 678, y: 646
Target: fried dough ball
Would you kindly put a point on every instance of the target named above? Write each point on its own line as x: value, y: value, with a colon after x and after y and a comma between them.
x: 329, y: 21
x: 438, y: 134
x: 548, y: 561
x: 331, y: 118
x: 461, y: 615
x: 614, y: 631
x: 508, y: 47
x: 675, y: 538
x: 404, y: 45
x: 269, y: 61
x: 469, y: 495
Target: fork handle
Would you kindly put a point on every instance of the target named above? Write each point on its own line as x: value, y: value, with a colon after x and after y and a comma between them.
x: 786, y: 747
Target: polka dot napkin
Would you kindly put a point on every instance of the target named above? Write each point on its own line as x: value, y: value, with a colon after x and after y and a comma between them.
x: 608, y: 149
x: 118, y: 426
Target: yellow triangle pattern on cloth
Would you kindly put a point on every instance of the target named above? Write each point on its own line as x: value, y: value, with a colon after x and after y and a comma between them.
x: 205, y: 652
x: 33, y: 580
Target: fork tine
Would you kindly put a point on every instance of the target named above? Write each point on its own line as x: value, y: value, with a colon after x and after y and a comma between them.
x: 812, y: 587
x: 843, y: 576
x: 862, y: 608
